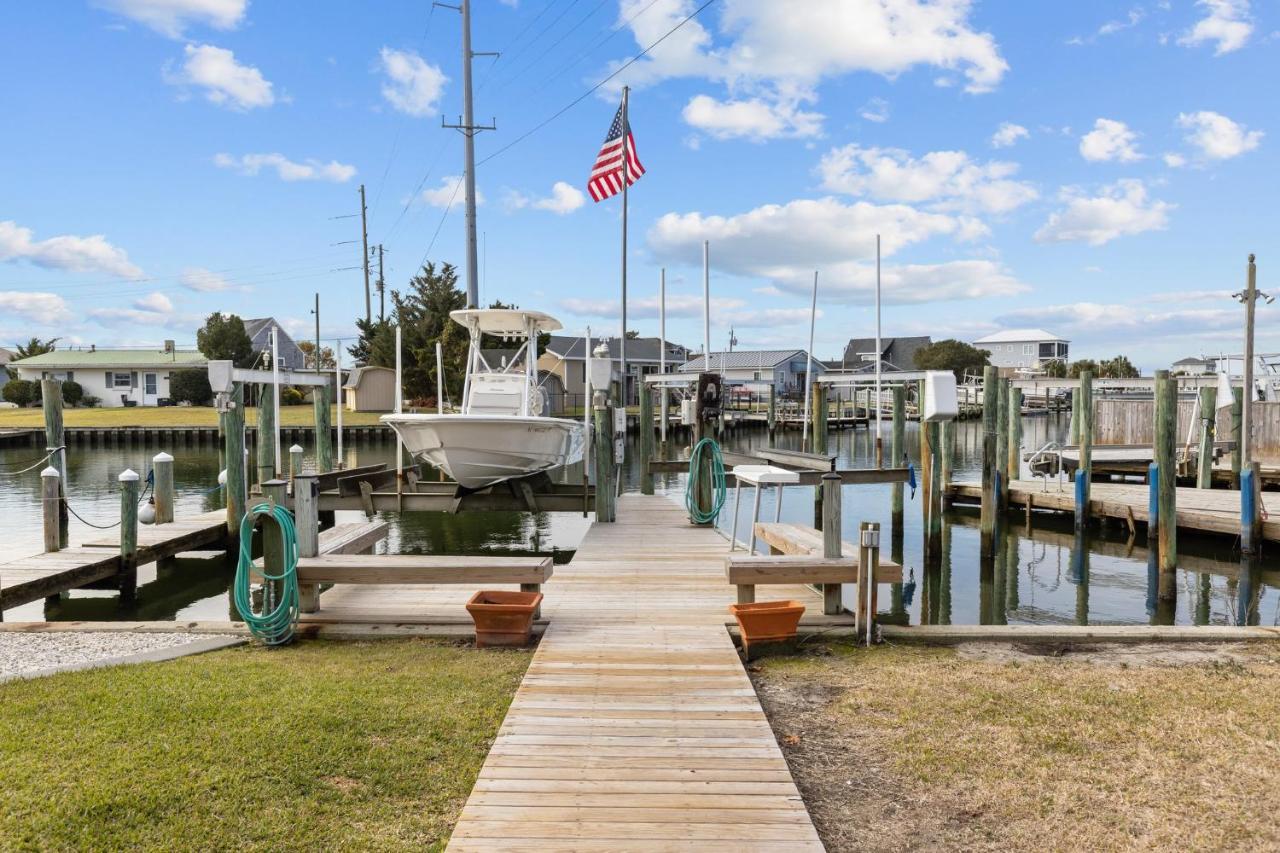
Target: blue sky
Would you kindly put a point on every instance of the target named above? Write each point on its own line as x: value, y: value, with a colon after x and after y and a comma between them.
x: 1101, y: 170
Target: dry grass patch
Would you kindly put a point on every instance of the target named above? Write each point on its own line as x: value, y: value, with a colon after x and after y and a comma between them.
x: 922, y: 748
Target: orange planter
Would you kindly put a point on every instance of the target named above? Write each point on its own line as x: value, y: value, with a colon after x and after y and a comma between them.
x: 767, y: 621
x: 503, y: 618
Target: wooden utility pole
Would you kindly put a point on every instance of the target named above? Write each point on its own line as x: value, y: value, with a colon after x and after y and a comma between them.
x: 364, y: 242
x: 382, y: 290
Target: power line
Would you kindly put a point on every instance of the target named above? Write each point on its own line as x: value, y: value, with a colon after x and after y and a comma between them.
x: 597, y: 86
x: 554, y: 44
x: 611, y: 32
x: 395, y: 142
x: 440, y: 224
x: 516, y: 40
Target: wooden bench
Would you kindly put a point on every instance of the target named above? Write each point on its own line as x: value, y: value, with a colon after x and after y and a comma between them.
x: 529, y: 572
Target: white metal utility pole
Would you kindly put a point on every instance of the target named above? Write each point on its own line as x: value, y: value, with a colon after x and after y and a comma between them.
x: 879, y: 442
x: 275, y: 389
x: 706, y: 305
x: 808, y: 371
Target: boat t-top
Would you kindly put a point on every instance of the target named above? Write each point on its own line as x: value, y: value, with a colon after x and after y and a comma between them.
x: 501, y: 432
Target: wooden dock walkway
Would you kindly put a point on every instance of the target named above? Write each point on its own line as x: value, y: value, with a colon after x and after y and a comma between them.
x: 1203, y: 510
x: 27, y: 579
x: 636, y: 726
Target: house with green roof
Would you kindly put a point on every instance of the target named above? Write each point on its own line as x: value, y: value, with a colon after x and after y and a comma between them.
x: 117, y: 377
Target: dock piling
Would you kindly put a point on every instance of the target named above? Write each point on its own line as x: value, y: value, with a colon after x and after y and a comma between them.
x: 1166, y: 429
x: 1250, y: 501
x: 295, y: 462
x: 773, y: 412
x: 236, y: 487
x: 162, y: 466
x: 603, y: 445
x: 1237, y: 430
x: 306, y: 516
x: 1002, y: 443
x: 1208, y: 427
x: 831, y: 537
x: 55, y: 438
x: 989, y: 406
x: 320, y: 399
x: 819, y: 418
x: 898, y: 450
x: 1084, y: 474
x: 128, y: 577
x: 51, y: 502
x: 646, y: 439
x: 264, y: 433
x: 1013, y: 445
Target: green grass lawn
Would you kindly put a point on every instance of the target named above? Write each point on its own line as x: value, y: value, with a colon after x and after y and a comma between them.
x: 323, y: 745
x: 173, y: 416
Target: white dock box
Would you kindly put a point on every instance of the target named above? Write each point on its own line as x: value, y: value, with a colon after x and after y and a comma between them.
x: 940, y: 396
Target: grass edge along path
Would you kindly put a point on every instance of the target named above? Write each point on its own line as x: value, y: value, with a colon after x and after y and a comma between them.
x: 911, y: 747
x: 320, y: 745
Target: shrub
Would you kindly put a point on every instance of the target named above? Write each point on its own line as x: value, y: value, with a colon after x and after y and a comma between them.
x: 190, y: 386
x: 90, y: 402
x: 18, y: 391
x: 291, y: 397
x: 72, y: 393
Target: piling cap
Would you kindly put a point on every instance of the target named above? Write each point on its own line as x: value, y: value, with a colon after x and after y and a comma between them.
x: 50, y: 472
x: 128, y: 475
x: 162, y: 457
x: 297, y: 448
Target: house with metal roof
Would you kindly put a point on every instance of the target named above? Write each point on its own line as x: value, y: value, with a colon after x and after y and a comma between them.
x: 787, y: 370
x: 1023, y: 348
x: 259, y: 331
x: 895, y: 354
x: 1192, y: 366
x: 117, y: 377
x: 562, y: 367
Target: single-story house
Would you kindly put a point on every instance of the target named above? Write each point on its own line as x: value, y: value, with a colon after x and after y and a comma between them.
x: 895, y: 354
x: 370, y: 389
x: 1192, y: 366
x: 259, y: 331
x: 562, y: 369
x: 1023, y: 348
x: 139, y: 377
x: 786, y: 370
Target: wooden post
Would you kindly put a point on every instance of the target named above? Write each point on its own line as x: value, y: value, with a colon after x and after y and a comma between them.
x: 1013, y: 446
x: 603, y: 414
x: 831, y: 536
x: 128, y: 578
x: 705, y: 418
x: 933, y: 535
x: 1208, y: 427
x: 646, y: 439
x: 320, y: 399
x: 926, y: 457
x: 50, y: 502
x: 295, y: 462
x: 162, y: 466
x: 1002, y: 443
x: 1237, y: 426
x: 306, y: 515
x: 947, y: 434
x: 898, y: 450
x: 819, y: 418
x: 1084, y: 475
x: 1250, y: 503
x: 1074, y: 438
x: 272, y: 543
x: 773, y: 412
x: 1166, y: 433
x: 236, y: 485
x: 990, y: 403
x: 55, y: 437
x: 265, y: 435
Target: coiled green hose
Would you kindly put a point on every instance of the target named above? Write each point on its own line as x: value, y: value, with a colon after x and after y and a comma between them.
x: 275, y: 624
x: 718, y: 489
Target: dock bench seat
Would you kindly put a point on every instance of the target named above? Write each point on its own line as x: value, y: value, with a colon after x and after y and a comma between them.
x: 796, y: 558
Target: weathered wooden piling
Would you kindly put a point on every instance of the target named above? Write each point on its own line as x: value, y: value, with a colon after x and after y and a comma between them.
x: 646, y: 439
x: 947, y: 448
x: 1002, y: 443
x: 819, y: 418
x: 162, y: 472
x: 1250, y: 508
x: 926, y: 457
x: 276, y: 491
x: 831, y: 537
x: 773, y: 412
x: 306, y: 516
x: 128, y: 578
x: 50, y: 503
x: 264, y: 436
x: 898, y: 449
x: 55, y: 438
x: 1013, y: 444
x: 990, y: 403
x: 933, y: 524
x: 1166, y: 429
x: 1208, y: 426
x: 295, y: 462
x: 1073, y: 437
x: 321, y: 398
x: 604, y: 468
x: 1237, y: 431
x: 236, y: 487
x: 1084, y: 474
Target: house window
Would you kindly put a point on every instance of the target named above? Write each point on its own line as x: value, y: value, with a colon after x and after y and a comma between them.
x: 1026, y: 349
x: 120, y: 380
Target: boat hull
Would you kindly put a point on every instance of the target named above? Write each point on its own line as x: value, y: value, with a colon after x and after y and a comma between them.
x: 480, y: 450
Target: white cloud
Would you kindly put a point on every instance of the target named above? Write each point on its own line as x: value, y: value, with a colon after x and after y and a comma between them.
x: 949, y: 179
x: 65, y: 252
x: 876, y: 110
x: 1110, y: 140
x: 286, y: 169
x: 564, y: 199
x: 1227, y: 23
x: 40, y: 308
x: 1120, y: 209
x: 413, y: 85
x: 1110, y: 28
x: 172, y: 17
x: 449, y: 192
x: 154, y: 309
x: 1007, y: 134
x: 1122, y: 322
x: 205, y: 281
x: 1174, y: 160
x: 1218, y: 137
x: 226, y: 82
x: 753, y: 118
x: 907, y: 283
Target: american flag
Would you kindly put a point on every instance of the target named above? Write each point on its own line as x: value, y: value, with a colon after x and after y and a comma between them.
x: 606, y: 174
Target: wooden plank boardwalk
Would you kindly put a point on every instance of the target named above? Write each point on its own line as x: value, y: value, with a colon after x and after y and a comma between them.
x: 636, y: 727
x: 31, y: 578
x: 1203, y: 510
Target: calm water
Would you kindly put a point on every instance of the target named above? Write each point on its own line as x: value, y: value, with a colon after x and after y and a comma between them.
x: 1036, y: 576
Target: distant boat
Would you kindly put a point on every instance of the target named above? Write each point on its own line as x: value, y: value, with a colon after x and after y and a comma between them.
x: 500, y: 433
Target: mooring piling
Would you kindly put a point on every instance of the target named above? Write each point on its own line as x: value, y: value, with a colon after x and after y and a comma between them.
x: 1208, y: 427
x: 603, y: 414
x: 320, y: 400
x: 55, y: 438
x: 1084, y: 474
x: 646, y: 439
x: 1166, y: 429
x: 236, y: 487
x: 128, y: 578
x: 898, y: 451
x: 990, y: 403
x: 831, y: 537
x: 947, y: 440
x: 1013, y: 444
x: 1002, y: 443
x: 306, y: 516
x: 50, y: 502
x: 162, y: 471
x: 819, y: 418
x: 1237, y: 432
x: 1250, y: 502
x: 264, y: 435
x: 773, y: 412
x: 295, y: 462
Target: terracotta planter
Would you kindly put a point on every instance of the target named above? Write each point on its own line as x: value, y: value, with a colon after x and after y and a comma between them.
x: 503, y: 618
x: 767, y: 621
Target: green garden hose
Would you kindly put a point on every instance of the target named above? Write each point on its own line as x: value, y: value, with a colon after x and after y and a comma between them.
x: 718, y: 489
x: 275, y: 623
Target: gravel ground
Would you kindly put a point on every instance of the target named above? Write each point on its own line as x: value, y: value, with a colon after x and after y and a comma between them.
x: 24, y: 653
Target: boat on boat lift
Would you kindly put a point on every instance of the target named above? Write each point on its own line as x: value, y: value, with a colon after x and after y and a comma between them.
x: 501, y: 432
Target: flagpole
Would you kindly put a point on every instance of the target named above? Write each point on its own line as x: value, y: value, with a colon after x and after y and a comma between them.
x: 626, y: 178
x: 808, y: 372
